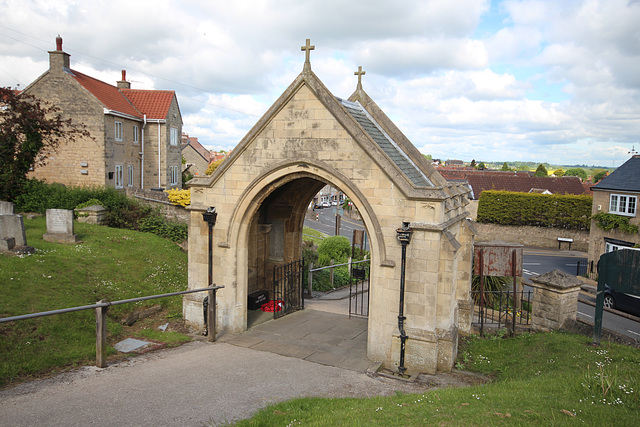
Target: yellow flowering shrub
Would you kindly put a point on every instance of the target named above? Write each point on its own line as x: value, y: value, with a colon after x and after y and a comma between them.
x: 179, y: 197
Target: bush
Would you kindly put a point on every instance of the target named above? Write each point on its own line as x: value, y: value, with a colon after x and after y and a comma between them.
x: 335, y: 248
x: 179, y: 197
x: 607, y: 221
x: 541, y: 210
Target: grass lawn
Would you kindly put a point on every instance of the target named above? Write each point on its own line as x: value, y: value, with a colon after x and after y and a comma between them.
x: 109, y: 263
x: 538, y: 379
x: 313, y: 235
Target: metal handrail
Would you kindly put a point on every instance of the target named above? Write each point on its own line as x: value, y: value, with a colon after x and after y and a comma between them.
x: 102, y: 304
x: 339, y: 265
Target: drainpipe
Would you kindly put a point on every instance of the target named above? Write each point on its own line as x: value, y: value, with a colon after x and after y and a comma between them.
x: 159, y: 168
x: 404, y: 236
x: 144, y: 123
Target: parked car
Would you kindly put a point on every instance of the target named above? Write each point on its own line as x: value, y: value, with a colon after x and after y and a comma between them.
x: 621, y: 301
x: 326, y: 204
x: 334, y: 203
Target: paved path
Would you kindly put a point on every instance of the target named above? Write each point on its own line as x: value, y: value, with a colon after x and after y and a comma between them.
x: 203, y: 383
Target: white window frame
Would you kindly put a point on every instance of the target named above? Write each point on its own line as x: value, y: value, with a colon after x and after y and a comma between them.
x: 174, y: 174
x: 119, y: 176
x: 118, y: 131
x: 173, y: 140
x: 623, y: 204
x: 130, y: 175
x: 136, y: 134
x: 610, y: 247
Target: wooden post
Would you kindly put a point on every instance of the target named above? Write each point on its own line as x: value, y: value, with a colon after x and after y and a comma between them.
x: 331, y: 273
x: 101, y: 335
x: 211, y: 315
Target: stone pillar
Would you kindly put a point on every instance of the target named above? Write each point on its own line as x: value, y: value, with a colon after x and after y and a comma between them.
x: 555, y: 300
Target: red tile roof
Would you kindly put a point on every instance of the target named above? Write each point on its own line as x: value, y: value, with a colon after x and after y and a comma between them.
x: 110, y: 96
x: 134, y: 102
x: 154, y: 103
x: 508, y: 181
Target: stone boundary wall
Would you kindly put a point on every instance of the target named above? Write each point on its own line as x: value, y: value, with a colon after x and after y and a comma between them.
x: 160, y: 200
x: 532, y: 236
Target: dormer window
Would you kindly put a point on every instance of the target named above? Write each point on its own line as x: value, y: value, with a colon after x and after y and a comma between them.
x: 622, y: 204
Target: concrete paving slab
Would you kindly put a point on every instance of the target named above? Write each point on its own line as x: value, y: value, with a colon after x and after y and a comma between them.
x: 130, y: 344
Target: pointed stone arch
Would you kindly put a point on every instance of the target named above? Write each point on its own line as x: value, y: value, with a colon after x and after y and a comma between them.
x: 307, y: 138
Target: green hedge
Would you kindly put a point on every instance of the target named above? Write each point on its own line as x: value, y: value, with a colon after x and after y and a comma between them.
x: 123, y: 212
x: 541, y: 210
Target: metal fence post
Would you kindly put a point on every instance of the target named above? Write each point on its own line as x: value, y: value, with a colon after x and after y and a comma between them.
x: 101, y: 335
x: 211, y: 314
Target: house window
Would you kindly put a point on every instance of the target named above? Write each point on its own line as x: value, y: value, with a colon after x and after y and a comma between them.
x: 119, y: 176
x: 622, y: 204
x: 174, y: 175
x: 174, y: 136
x: 130, y: 175
x: 118, y: 131
x: 136, y: 132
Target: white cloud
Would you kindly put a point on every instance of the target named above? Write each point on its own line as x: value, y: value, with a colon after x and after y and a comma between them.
x: 547, y: 81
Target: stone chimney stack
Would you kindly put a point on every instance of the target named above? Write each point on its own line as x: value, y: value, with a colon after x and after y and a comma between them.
x: 58, y: 59
x: 124, y: 84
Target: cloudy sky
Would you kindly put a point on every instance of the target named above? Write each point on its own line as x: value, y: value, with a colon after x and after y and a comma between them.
x: 553, y: 81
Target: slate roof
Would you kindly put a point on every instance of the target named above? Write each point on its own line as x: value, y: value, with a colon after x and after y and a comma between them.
x: 384, y: 141
x: 508, y: 181
x: 625, y: 178
x: 134, y: 102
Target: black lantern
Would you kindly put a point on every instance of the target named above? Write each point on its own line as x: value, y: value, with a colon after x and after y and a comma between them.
x: 210, y: 216
x: 404, y: 236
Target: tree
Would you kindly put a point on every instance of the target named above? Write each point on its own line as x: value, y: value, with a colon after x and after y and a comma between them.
x: 598, y: 175
x: 481, y: 166
x: 579, y: 172
x: 30, y: 131
x: 541, y: 171
x: 505, y: 167
x: 213, y: 166
x: 429, y: 157
x: 559, y: 172
x: 473, y: 163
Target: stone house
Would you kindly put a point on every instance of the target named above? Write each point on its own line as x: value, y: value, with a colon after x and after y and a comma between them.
x: 196, y: 157
x: 616, y: 194
x: 135, y: 134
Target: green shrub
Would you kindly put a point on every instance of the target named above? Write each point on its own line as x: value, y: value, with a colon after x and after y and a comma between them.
x: 322, y: 278
x: 90, y: 202
x: 541, y: 210
x: 337, y: 248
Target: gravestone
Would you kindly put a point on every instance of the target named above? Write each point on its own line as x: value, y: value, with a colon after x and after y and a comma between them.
x: 60, y: 226
x: 7, y: 208
x: 94, y: 214
x: 12, y: 226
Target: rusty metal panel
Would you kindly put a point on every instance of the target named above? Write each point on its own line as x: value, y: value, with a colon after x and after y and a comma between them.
x: 497, y: 259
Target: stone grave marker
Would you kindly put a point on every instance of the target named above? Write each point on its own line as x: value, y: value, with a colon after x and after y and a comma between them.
x: 7, y: 208
x: 60, y: 226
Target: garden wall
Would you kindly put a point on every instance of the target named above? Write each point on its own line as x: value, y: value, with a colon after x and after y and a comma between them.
x: 532, y: 236
x: 159, y: 199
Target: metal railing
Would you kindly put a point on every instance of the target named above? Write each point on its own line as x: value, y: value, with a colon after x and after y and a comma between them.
x: 498, y: 309
x: 332, y: 266
x: 102, y: 306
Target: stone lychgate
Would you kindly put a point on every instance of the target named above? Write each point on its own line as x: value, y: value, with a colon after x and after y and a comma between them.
x: 309, y: 138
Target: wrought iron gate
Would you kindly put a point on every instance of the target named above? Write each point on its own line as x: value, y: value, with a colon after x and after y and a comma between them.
x: 359, y: 292
x: 287, y: 288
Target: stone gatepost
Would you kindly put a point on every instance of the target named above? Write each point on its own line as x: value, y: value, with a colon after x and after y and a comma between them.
x: 555, y: 300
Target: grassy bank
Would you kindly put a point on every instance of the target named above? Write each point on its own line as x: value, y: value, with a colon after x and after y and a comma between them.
x: 538, y: 379
x: 108, y: 263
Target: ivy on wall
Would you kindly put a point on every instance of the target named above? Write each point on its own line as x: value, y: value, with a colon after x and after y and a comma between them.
x: 607, y: 222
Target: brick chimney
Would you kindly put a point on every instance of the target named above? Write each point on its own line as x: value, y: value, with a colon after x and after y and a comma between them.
x: 124, y: 84
x: 58, y: 60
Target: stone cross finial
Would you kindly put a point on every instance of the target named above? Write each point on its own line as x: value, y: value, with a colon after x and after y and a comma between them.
x: 360, y: 73
x: 308, y: 48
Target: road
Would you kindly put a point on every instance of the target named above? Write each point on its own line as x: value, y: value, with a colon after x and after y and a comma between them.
x: 536, y: 261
